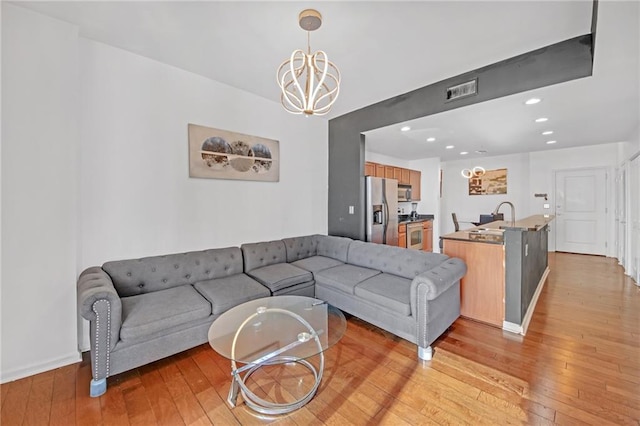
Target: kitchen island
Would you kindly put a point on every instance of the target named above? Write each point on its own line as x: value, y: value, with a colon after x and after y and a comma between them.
x: 507, y: 266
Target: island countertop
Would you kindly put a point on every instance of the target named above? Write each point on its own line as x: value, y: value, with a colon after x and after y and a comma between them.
x: 531, y: 223
x: 492, y: 232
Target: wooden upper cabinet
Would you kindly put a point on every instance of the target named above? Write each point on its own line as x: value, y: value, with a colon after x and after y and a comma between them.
x: 388, y: 172
x: 380, y: 170
x: 397, y: 174
x: 405, y: 177
x: 369, y: 168
x: 415, y: 185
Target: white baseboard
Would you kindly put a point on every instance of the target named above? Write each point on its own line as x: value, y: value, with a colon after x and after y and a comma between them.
x: 522, y: 328
x: 19, y: 373
x: 512, y: 327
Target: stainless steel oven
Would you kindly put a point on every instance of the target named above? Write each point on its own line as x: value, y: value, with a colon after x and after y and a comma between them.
x: 414, y: 235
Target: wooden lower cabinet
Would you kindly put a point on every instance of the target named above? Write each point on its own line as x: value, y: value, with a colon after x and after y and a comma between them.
x: 482, y: 288
x: 427, y: 235
x: 402, y: 235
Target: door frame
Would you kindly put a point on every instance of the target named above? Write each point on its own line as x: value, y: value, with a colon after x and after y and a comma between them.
x: 611, y: 239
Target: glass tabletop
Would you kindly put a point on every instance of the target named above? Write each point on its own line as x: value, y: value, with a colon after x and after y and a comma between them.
x: 292, y: 326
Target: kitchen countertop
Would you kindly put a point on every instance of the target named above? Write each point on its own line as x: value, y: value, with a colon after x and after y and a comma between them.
x: 531, y: 223
x: 404, y: 218
x: 495, y: 229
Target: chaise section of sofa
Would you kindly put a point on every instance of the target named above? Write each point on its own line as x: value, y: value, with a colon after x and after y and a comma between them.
x: 142, y: 310
x: 412, y: 294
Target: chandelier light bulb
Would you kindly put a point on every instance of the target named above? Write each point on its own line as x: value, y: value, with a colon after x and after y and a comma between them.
x: 477, y: 171
x: 310, y: 83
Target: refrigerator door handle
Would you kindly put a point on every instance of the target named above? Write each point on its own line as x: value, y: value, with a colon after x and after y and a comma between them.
x: 385, y: 221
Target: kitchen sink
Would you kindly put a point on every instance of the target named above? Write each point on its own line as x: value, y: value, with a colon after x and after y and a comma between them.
x: 486, y: 231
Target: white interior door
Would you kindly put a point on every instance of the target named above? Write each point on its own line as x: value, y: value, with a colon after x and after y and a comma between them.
x: 581, y: 211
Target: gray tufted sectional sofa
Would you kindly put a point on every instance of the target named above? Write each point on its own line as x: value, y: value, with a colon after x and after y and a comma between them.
x: 142, y: 310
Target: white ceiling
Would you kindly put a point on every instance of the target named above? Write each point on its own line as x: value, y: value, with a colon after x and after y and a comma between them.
x: 387, y: 48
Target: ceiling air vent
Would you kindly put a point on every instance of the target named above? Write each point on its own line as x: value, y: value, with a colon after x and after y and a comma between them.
x: 462, y: 90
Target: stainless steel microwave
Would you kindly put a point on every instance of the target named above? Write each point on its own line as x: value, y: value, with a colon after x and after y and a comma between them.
x: 404, y: 192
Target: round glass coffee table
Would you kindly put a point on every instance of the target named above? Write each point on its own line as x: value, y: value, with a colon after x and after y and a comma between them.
x: 275, y: 330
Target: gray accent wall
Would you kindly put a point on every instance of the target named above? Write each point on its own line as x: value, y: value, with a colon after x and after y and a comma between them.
x: 564, y: 61
x: 526, y: 259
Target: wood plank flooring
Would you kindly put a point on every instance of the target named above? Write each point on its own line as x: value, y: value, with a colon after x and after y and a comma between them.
x: 578, y: 364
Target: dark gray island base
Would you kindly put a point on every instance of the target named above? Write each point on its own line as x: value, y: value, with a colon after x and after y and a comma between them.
x: 507, y: 267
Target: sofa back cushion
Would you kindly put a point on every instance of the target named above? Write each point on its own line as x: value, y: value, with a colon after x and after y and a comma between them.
x: 333, y: 247
x: 257, y: 255
x: 138, y: 276
x: 406, y: 263
x: 300, y: 247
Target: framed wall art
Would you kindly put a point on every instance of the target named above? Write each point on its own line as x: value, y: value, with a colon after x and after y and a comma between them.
x: 491, y: 182
x: 223, y: 154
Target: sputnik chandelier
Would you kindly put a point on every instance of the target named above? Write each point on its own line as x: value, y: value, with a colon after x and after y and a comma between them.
x: 310, y: 83
x: 475, y: 172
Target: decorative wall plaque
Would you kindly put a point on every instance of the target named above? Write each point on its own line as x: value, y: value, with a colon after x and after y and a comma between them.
x: 223, y: 154
x: 492, y: 182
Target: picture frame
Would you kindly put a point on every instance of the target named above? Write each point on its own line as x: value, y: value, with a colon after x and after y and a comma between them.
x: 492, y: 182
x: 224, y: 154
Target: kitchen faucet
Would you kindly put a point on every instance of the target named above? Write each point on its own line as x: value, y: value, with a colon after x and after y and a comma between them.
x: 513, y: 211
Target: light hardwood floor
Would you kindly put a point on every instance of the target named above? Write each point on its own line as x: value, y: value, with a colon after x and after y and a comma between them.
x: 578, y: 364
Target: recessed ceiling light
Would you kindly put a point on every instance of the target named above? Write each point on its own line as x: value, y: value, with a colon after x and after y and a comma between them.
x: 541, y: 119
x: 532, y: 101
x: 450, y: 147
x: 464, y: 153
x: 481, y: 151
x: 405, y: 129
x: 548, y: 132
x: 431, y: 139
x: 551, y: 142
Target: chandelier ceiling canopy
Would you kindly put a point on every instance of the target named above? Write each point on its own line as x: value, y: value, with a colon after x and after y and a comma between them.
x: 310, y: 83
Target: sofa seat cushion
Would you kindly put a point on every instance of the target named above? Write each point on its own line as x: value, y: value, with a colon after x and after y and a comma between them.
x: 388, y: 291
x: 344, y: 277
x: 225, y: 293
x: 317, y: 263
x: 149, y: 313
x: 280, y: 275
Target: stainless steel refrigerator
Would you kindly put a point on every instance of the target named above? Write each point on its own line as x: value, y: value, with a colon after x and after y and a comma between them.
x: 381, y: 210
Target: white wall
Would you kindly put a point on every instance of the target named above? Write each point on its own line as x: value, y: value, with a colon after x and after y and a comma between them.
x: 95, y: 168
x: 0, y: 197
x: 39, y: 192
x: 137, y: 197
x: 455, y: 190
x: 631, y: 147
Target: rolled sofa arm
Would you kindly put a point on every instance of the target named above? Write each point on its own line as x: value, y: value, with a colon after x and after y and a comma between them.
x: 435, y: 299
x: 438, y: 279
x: 99, y: 303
